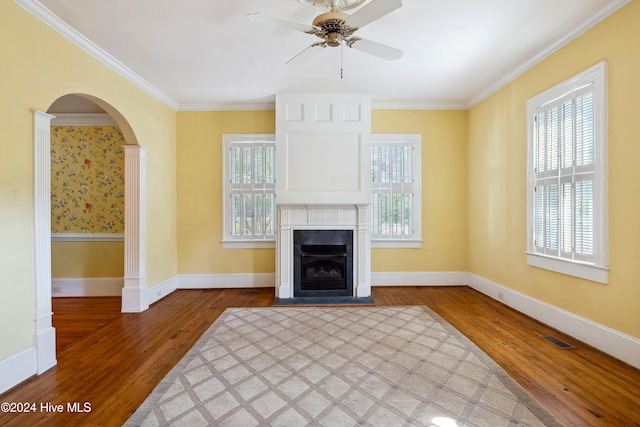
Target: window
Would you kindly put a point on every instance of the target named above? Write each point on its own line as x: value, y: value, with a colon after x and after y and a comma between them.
x: 249, y: 190
x: 395, y: 190
x: 567, y: 177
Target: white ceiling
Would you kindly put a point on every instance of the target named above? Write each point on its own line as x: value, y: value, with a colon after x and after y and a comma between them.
x: 206, y: 55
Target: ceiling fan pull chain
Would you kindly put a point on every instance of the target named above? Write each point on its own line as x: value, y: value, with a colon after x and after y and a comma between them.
x: 341, y: 58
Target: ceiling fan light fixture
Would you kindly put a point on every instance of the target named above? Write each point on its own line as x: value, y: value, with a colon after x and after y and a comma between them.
x: 334, y: 39
x: 328, y: 4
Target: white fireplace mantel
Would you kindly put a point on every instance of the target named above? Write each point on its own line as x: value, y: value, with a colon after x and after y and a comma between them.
x: 323, y: 217
x: 323, y: 163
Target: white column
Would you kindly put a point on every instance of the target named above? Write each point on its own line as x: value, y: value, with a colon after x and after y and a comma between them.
x: 45, y: 334
x: 134, y: 293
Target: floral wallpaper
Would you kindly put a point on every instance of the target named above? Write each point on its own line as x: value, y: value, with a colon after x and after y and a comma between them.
x: 87, y: 179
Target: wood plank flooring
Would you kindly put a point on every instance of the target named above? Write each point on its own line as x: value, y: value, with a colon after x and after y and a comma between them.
x: 113, y: 361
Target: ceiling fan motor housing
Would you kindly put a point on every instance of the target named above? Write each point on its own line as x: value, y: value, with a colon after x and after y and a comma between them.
x: 333, y: 26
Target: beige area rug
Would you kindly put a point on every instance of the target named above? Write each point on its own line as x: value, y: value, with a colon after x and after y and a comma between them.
x: 337, y: 366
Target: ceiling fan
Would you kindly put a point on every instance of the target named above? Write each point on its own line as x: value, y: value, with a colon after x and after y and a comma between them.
x: 336, y: 28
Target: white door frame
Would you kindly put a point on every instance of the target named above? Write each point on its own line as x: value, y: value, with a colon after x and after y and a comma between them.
x: 134, y: 295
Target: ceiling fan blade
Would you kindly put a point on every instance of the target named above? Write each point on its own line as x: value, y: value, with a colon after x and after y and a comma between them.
x: 306, y: 54
x: 374, y: 48
x: 292, y: 25
x: 372, y: 11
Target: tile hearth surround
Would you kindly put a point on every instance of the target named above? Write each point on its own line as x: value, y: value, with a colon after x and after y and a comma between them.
x: 322, y: 177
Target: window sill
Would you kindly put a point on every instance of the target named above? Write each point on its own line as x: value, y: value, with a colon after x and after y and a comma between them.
x: 409, y: 244
x: 248, y: 244
x: 584, y: 271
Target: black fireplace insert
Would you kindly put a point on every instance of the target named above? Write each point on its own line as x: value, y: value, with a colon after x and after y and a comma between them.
x: 322, y: 263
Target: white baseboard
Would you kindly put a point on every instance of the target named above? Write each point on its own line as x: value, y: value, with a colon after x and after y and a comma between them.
x: 17, y: 368
x: 221, y: 281
x: 161, y: 290
x: 87, y: 287
x: 610, y: 341
x: 420, y: 278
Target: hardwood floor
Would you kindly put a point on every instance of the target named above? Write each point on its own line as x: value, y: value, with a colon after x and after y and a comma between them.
x: 113, y: 361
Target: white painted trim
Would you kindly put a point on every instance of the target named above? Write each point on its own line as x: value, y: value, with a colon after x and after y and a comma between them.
x: 579, y: 30
x: 134, y: 297
x: 387, y: 105
x: 267, y: 106
x: 228, y: 142
x: 270, y: 106
x: 161, y: 290
x: 87, y: 287
x: 419, y: 278
x: 397, y: 244
x: 17, y: 368
x: 248, y: 244
x: 222, y: 281
x: 584, y: 271
x: 83, y: 119
x: 47, y: 17
x: 615, y: 343
x: 598, y: 271
x: 414, y: 240
x: 44, y: 339
x: 87, y: 237
x: 267, y: 280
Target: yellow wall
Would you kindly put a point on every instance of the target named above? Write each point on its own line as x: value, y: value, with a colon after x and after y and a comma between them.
x: 444, y: 181
x: 39, y: 66
x: 87, y: 259
x: 497, y: 178
x: 200, y: 191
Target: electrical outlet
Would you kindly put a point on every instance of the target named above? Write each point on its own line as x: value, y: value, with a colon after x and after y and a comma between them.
x: 500, y: 295
x: 56, y: 289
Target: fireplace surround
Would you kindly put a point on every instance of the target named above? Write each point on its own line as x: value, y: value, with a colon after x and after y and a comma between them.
x: 352, y: 219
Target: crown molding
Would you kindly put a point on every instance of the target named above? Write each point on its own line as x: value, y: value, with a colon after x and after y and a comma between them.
x: 417, y: 106
x: 384, y: 105
x: 83, y: 119
x: 228, y: 107
x: 35, y: 8
x: 568, y: 37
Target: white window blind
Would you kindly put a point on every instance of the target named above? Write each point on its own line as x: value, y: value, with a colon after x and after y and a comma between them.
x: 567, y: 165
x: 395, y: 187
x: 564, y: 177
x: 250, y: 208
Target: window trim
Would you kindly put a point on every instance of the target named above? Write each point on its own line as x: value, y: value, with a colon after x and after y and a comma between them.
x: 598, y: 270
x: 228, y: 243
x: 416, y: 241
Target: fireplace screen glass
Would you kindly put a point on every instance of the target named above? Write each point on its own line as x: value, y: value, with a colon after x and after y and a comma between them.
x: 323, y: 262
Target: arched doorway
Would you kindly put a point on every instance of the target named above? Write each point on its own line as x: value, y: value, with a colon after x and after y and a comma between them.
x: 134, y: 290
